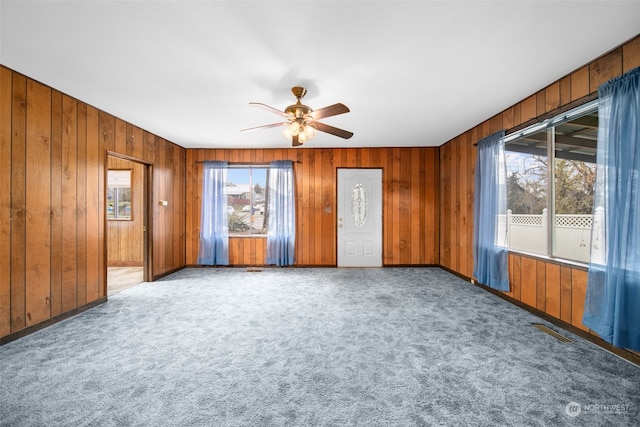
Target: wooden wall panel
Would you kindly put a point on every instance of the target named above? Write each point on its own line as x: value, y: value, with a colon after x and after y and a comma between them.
x: 18, y: 201
x: 38, y: 203
x: 631, y: 55
x: 69, y: 203
x: 56, y: 203
x: 565, y: 91
x: 92, y: 213
x: 528, y: 109
x: 541, y: 285
x: 5, y: 201
x: 446, y: 240
x: 53, y: 154
x: 409, y: 238
x: 565, y: 293
x: 605, y: 68
x: 455, y: 205
x: 578, y: 295
x: 81, y: 207
x: 580, y: 83
x: 528, y: 281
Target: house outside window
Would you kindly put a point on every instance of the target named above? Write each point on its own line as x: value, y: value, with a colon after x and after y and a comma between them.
x: 246, y: 190
x: 550, y: 182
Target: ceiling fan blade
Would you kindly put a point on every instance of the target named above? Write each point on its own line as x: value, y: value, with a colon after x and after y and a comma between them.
x: 331, y: 110
x: 295, y: 141
x: 333, y: 130
x: 268, y: 108
x: 272, y: 125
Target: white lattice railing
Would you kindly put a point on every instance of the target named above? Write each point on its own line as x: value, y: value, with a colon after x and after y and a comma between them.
x: 533, y: 220
x: 572, y: 234
x: 574, y: 221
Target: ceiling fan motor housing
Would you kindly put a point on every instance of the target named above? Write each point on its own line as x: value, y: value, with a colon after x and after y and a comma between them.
x: 298, y: 110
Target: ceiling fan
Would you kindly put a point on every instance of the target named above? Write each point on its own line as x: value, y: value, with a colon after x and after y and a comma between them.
x: 302, y: 123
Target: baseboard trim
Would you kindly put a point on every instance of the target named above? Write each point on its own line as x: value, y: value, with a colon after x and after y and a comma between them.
x: 166, y: 273
x: 125, y: 264
x: 33, y: 328
x: 594, y: 339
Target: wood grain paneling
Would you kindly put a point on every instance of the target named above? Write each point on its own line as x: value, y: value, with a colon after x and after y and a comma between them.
x: 53, y: 153
x: 565, y: 91
x: 565, y: 293
x: 18, y: 208
x: 578, y: 294
x: 92, y: 198
x: 631, y: 55
x: 69, y: 203
x: 528, y: 281
x: 605, y: 68
x: 38, y: 203
x: 410, y: 210
x: 5, y: 201
x: 541, y: 285
x: 56, y: 203
x: 580, y: 83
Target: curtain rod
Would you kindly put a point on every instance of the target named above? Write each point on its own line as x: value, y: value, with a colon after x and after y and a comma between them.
x: 243, y: 164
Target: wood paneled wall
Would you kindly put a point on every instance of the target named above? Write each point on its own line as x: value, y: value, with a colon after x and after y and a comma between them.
x: 554, y: 288
x: 410, y: 205
x: 551, y: 287
x: 53, y: 152
x: 125, y: 237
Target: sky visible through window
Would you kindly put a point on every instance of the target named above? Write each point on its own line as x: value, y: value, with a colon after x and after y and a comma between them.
x: 517, y: 162
x: 240, y: 176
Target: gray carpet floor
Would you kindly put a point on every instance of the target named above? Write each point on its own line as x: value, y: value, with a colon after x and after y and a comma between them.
x: 310, y: 347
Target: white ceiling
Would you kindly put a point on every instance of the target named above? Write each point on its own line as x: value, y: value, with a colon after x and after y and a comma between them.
x: 413, y: 73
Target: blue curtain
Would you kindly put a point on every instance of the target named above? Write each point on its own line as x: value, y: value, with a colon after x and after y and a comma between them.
x: 490, y: 253
x: 281, y: 236
x: 612, y: 305
x: 214, y: 222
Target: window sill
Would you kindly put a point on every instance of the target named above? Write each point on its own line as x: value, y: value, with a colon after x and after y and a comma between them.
x: 546, y: 258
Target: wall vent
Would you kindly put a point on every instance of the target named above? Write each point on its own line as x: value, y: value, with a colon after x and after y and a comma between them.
x: 551, y: 332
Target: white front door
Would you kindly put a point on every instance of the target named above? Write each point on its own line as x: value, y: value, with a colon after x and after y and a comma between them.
x: 359, y: 217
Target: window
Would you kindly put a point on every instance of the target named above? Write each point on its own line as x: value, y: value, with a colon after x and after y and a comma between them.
x: 550, y: 180
x: 119, y: 194
x: 246, y: 189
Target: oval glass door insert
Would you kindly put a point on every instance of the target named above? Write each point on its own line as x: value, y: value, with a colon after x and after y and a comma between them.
x: 359, y: 205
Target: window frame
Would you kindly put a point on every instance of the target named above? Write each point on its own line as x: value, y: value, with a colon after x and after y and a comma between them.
x: 549, y: 126
x: 116, y: 191
x: 251, y: 166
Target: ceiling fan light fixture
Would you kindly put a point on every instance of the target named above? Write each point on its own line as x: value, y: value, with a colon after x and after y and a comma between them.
x: 310, y: 131
x: 302, y: 122
x: 295, y: 128
x: 302, y: 138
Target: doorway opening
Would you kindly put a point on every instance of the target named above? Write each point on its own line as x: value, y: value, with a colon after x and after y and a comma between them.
x: 127, y: 214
